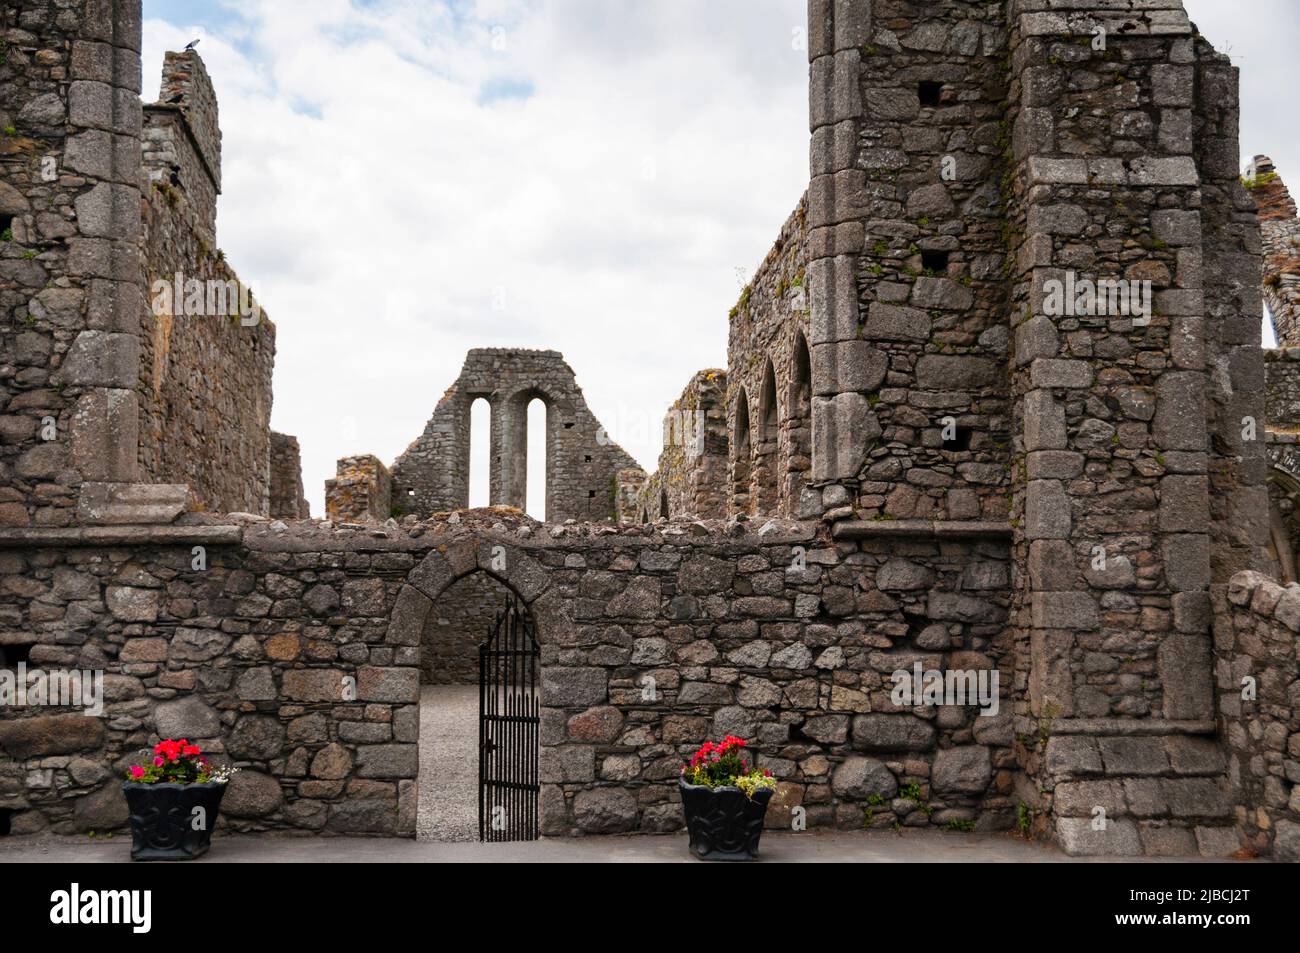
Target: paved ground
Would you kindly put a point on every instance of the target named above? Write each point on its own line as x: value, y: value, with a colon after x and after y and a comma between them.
x: 881, y: 847
x: 448, y: 763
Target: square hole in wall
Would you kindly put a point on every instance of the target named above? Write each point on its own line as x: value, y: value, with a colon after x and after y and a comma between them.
x: 587, y: 458
x: 569, y: 425
x: 410, y: 493
x: 930, y: 91
x: 591, y: 494
x: 935, y: 261
x: 6, y: 821
x: 6, y: 223
x: 12, y: 655
x: 960, y: 442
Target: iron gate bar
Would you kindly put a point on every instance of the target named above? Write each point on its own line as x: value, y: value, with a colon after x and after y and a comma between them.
x: 509, y: 727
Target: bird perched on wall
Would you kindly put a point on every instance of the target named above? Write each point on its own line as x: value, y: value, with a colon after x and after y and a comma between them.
x: 175, y: 100
x: 176, y: 175
x: 189, y: 46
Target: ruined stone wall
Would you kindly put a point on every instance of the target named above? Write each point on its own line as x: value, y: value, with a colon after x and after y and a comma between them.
x: 693, y: 474
x: 741, y: 633
x: 205, y: 394
x: 1280, y: 233
x: 362, y: 491
x: 1258, y: 682
x: 1112, y: 512
x: 769, y: 380
x: 70, y: 271
x: 631, y: 483
x: 457, y: 626
x: 287, y: 500
x: 582, y: 460
x: 908, y: 331
x: 186, y: 107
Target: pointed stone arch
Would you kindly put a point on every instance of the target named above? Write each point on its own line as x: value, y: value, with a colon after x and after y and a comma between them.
x: 509, y: 565
x: 741, y: 456
x: 767, y: 439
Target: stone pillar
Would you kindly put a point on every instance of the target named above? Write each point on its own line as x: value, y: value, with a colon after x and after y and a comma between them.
x: 70, y: 199
x: 1111, y: 508
x: 842, y: 422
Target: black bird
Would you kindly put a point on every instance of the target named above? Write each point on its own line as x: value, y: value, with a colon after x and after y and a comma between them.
x: 191, y: 45
x: 177, y: 98
x: 175, y: 176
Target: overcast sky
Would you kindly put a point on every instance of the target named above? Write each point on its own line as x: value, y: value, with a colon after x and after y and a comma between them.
x: 407, y: 179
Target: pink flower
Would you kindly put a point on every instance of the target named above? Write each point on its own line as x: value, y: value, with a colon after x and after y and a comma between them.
x: 137, y: 772
x: 158, y: 762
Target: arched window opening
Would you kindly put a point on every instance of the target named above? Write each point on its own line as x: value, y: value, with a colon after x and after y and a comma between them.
x: 537, y: 457
x: 480, y: 453
x: 765, y: 446
x: 663, y: 504
x: 741, y: 453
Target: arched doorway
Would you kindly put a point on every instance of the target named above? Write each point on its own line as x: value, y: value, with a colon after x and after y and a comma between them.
x: 456, y: 584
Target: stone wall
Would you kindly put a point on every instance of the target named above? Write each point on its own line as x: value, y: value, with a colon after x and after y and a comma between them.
x: 70, y: 269
x: 205, y: 394
x: 909, y: 291
x: 362, y: 491
x: 770, y: 381
x: 582, y: 460
x: 1257, y: 664
x: 692, y: 478
x: 1280, y: 233
x: 287, y: 500
x: 456, y: 627
x: 257, y: 655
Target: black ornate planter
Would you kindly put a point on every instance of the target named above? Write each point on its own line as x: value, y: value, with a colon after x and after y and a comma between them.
x: 163, y: 815
x: 723, y: 823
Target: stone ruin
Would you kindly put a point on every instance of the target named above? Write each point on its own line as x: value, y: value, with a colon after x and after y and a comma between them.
x: 950, y: 436
x: 582, y: 462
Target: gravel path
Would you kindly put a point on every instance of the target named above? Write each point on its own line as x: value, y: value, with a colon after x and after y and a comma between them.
x: 448, y: 763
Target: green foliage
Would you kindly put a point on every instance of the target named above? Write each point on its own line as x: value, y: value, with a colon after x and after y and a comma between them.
x: 7, y: 235
x: 1258, y: 181
x: 11, y: 130
x: 1024, y: 819
x: 967, y: 827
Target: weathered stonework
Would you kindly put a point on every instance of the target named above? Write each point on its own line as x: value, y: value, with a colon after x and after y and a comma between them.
x: 693, y: 475
x: 362, y: 491
x: 287, y: 500
x: 1258, y: 681
x: 990, y: 484
x: 582, y: 461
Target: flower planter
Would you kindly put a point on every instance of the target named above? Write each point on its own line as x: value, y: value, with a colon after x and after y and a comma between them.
x: 722, y: 822
x: 163, y: 819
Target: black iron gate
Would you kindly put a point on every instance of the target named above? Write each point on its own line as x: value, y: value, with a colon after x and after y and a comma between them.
x: 509, y: 714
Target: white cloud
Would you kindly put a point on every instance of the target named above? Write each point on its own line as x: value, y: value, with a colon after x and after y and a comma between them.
x: 379, y: 202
